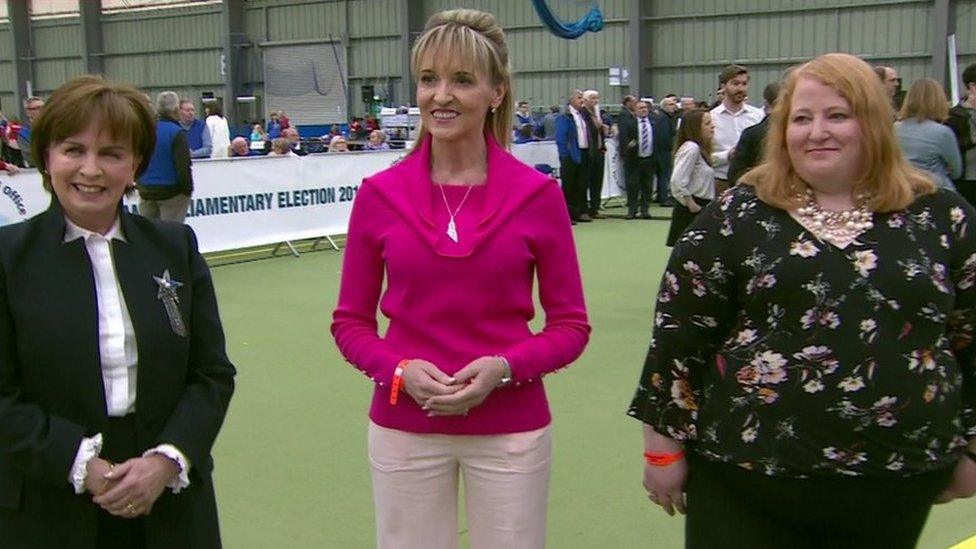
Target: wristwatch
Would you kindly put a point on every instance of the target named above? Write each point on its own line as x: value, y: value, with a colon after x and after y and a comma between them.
x: 507, y: 378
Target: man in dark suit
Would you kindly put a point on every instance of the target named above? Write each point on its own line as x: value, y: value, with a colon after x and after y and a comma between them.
x: 597, y: 131
x: 573, y: 143
x: 666, y: 126
x: 962, y: 122
x: 625, y: 118
x: 626, y: 115
x: 638, y: 152
x: 749, y: 150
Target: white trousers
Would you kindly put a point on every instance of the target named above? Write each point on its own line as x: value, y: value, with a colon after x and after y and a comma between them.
x: 415, y: 488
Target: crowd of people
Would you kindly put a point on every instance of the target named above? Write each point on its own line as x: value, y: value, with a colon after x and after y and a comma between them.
x: 934, y: 136
x: 810, y: 379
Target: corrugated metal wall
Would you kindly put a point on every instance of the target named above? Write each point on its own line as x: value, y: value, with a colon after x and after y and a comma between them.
x: 367, y: 29
x: 692, y: 40
x: 180, y: 48
x: 174, y: 49
x: 56, y: 48
x: 7, y: 76
x: 965, y: 33
x: 547, y: 68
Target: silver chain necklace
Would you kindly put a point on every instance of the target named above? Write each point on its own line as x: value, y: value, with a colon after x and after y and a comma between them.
x: 451, y: 226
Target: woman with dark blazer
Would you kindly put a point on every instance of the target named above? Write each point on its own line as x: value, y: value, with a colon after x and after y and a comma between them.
x: 114, y: 381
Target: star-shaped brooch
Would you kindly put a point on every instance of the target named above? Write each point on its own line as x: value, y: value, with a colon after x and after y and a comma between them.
x: 167, y: 294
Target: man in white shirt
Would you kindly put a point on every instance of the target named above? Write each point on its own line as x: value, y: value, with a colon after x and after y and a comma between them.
x: 730, y: 118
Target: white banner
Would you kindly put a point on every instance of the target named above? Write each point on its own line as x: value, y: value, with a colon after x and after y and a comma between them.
x: 242, y: 202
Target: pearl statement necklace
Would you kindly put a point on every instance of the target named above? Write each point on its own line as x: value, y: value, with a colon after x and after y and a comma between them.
x: 838, y: 227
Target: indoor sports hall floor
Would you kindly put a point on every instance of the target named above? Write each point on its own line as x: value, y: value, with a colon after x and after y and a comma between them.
x: 291, y: 468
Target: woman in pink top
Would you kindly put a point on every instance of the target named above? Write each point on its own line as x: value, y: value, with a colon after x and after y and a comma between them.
x: 461, y: 230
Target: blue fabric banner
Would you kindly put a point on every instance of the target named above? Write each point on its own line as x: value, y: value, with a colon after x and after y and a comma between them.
x: 592, y: 21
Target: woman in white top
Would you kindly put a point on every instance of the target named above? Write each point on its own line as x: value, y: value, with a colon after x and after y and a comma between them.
x: 219, y: 131
x: 692, y: 178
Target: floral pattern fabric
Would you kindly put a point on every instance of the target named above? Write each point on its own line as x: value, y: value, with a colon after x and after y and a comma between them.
x: 782, y: 353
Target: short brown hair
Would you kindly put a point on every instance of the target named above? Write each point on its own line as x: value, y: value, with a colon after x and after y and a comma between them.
x: 888, y: 178
x: 926, y: 100
x: 730, y: 72
x: 120, y: 109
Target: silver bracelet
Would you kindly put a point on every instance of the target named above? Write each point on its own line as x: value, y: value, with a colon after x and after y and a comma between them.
x: 507, y: 378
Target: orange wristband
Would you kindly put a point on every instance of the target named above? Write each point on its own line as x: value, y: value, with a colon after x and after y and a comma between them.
x: 662, y: 460
x: 397, y: 381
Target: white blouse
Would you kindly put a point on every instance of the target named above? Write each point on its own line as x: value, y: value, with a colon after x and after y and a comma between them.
x: 691, y: 175
x: 117, y: 350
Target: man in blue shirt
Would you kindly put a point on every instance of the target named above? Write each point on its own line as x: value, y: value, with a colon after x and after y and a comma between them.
x: 197, y: 135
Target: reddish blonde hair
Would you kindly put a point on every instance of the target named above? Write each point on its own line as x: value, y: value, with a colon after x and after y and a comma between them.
x: 888, y: 178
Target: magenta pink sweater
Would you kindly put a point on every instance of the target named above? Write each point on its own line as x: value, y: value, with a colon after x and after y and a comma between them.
x: 450, y: 303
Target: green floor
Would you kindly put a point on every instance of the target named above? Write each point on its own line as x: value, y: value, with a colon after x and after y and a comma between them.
x: 291, y: 466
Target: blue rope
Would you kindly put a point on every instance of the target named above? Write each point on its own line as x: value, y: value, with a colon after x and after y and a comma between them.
x: 592, y: 21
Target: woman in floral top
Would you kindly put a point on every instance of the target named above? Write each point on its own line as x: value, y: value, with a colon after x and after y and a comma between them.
x: 812, y: 338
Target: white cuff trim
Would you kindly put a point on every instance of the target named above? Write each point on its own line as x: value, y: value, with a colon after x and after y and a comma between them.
x: 87, y: 450
x: 182, y: 480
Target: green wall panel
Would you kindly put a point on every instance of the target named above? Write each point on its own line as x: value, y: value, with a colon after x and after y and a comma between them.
x: 161, y: 34
x: 521, y: 13
x: 49, y: 74
x: 692, y: 39
x: 180, y: 69
x: 689, y: 42
x: 374, y: 57
x: 965, y: 33
x: 7, y: 106
x: 374, y: 18
x: 6, y: 51
x: 306, y: 21
x: 57, y: 40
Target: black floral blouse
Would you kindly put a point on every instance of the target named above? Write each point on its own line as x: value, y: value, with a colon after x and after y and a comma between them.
x: 782, y: 353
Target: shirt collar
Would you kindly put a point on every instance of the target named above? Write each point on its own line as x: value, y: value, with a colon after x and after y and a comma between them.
x: 74, y: 232
x: 742, y: 110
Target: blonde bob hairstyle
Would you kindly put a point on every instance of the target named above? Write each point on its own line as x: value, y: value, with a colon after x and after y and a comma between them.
x: 926, y: 100
x: 891, y: 182
x: 471, y: 39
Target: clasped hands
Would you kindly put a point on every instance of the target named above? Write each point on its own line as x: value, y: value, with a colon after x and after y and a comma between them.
x: 129, y: 489
x: 444, y: 395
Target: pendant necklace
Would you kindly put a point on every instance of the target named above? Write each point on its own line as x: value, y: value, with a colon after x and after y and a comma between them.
x: 451, y: 226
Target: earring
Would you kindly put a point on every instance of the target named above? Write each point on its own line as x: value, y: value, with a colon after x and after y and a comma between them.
x: 494, y: 110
